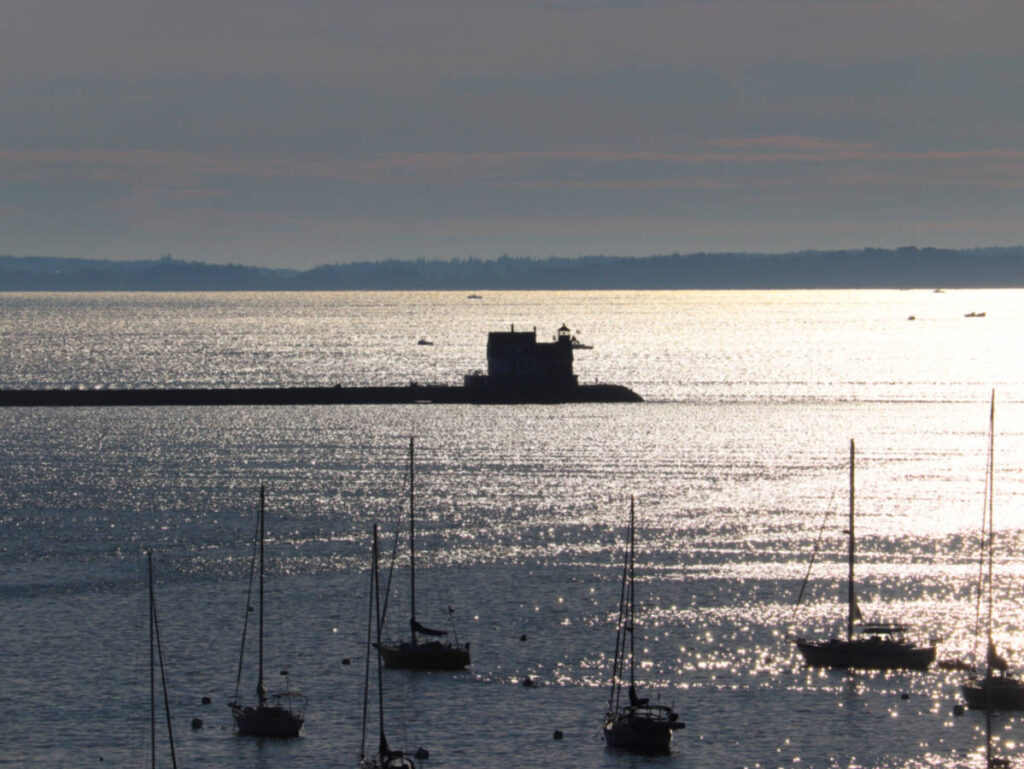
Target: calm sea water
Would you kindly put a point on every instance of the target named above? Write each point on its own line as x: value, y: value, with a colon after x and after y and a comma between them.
x: 735, y: 459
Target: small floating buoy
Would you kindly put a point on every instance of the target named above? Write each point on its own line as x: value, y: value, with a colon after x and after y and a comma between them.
x: 958, y: 710
x: 206, y: 700
x: 346, y: 661
x: 528, y: 682
x: 522, y: 637
x: 904, y: 696
x: 422, y: 754
x: 558, y: 734
x: 197, y: 723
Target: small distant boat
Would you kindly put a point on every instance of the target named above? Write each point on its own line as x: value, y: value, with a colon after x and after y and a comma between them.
x: 574, y: 341
x: 425, y: 343
x: 998, y: 689
x: 277, y: 714
x: 911, y: 317
x: 955, y: 663
x: 974, y: 315
x: 939, y: 291
x: 416, y: 653
x: 870, y: 646
x: 631, y: 722
x: 474, y: 296
x: 156, y: 662
x: 385, y: 757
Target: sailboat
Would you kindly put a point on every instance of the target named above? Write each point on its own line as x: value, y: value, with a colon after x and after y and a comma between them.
x: 871, y: 646
x: 998, y: 689
x: 631, y: 722
x: 156, y: 660
x: 416, y: 653
x: 385, y: 757
x: 277, y: 714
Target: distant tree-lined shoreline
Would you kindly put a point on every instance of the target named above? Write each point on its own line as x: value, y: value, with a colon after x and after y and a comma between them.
x: 907, y: 267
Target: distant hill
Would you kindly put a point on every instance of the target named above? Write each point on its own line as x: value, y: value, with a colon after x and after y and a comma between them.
x: 907, y: 267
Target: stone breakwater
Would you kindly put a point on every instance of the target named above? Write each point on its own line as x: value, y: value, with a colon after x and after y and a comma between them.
x: 292, y: 396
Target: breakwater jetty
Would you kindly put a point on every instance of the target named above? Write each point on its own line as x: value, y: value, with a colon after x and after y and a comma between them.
x: 291, y: 396
x: 519, y: 370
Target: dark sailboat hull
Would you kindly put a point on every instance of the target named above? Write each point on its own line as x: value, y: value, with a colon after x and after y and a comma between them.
x: 866, y: 654
x: 398, y: 761
x: 266, y: 721
x: 639, y: 733
x: 997, y: 693
x: 425, y: 656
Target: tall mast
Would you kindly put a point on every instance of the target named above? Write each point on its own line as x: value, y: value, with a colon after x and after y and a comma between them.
x: 380, y: 677
x: 152, y: 670
x: 260, y: 688
x: 632, y: 593
x: 412, y: 538
x: 154, y: 643
x: 991, y: 527
x: 369, y: 640
x: 852, y: 606
x: 620, y: 639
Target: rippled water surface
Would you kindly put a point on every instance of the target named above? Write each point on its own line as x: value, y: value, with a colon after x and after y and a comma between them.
x: 736, y: 457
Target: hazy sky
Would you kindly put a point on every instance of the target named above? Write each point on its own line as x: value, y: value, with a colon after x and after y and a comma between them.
x: 317, y: 131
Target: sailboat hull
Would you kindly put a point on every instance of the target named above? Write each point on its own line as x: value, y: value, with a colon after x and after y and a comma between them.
x: 639, y: 733
x: 866, y: 654
x: 266, y: 721
x: 387, y: 762
x: 425, y: 656
x: 997, y: 693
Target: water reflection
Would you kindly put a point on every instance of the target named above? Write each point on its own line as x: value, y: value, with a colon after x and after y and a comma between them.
x: 522, y: 533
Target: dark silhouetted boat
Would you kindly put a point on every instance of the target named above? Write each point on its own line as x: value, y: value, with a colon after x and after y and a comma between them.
x: 419, y: 653
x: 870, y: 646
x: 631, y: 722
x: 998, y: 689
x: 275, y: 714
x: 384, y: 757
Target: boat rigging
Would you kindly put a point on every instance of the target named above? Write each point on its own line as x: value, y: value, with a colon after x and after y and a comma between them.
x: 631, y: 722
x: 275, y: 714
x: 871, y: 646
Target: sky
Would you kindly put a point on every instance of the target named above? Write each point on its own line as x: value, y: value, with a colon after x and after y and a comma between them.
x: 308, y: 132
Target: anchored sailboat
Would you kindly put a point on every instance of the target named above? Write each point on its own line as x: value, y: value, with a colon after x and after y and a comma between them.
x: 385, y: 757
x: 872, y: 646
x: 998, y: 689
x: 277, y: 714
x: 418, y: 654
x: 632, y: 722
